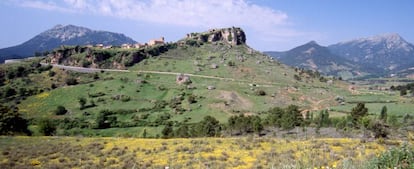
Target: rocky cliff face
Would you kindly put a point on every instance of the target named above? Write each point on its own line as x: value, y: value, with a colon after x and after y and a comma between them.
x: 233, y: 36
x: 89, y: 57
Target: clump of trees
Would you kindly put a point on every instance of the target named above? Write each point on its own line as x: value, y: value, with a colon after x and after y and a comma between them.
x: 47, y: 127
x: 286, y: 118
x: 404, y: 89
x: 245, y: 124
x: 208, y: 127
x: 12, y: 122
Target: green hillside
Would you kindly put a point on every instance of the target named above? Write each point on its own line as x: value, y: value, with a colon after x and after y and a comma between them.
x: 142, y: 92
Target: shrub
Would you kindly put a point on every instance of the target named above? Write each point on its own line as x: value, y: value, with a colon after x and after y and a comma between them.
x: 192, y: 42
x: 125, y: 98
x: 231, y: 63
x: 9, y: 92
x: 60, y: 110
x: 400, y: 157
x: 167, y: 132
x: 209, y: 127
x: 191, y: 99
x: 12, y: 122
x: 98, y: 94
x: 260, y: 92
x: 175, y: 102
x: 51, y: 73
x: 379, y: 128
x: 82, y: 102
x: 47, y: 127
x: 71, y: 81
x: 105, y: 119
x: 297, y: 77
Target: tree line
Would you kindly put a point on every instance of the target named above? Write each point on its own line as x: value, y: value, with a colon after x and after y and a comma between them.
x: 13, y: 123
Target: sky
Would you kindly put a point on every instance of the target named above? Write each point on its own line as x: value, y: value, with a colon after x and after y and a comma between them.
x: 270, y: 25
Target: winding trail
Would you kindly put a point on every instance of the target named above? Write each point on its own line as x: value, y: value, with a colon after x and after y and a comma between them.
x: 93, y: 70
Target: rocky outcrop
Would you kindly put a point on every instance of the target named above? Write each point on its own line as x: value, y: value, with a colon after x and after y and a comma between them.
x: 82, y: 56
x: 183, y: 79
x: 233, y: 36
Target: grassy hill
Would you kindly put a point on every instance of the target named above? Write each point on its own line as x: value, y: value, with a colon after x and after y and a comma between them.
x: 146, y: 95
x: 228, y: 78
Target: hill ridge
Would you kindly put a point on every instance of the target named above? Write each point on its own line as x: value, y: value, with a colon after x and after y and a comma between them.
x: 376, y: 56
x: 62, y: 35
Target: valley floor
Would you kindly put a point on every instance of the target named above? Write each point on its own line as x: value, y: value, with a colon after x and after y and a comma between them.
x: 243, y: 152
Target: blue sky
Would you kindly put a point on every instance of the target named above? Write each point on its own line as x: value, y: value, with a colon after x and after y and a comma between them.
x: 269, y: 24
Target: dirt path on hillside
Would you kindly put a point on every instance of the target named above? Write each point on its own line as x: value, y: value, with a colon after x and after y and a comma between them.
x: 93, y: 70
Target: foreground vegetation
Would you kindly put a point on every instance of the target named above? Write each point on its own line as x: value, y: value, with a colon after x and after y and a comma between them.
x: 242, y: 152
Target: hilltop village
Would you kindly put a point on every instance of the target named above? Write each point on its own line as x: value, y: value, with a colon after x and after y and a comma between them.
x: 152, y: 42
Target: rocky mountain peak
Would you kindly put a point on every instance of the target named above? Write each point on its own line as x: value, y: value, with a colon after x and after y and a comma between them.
x: 388, y: 41
x: 65, y: 32
x: 312, y: 43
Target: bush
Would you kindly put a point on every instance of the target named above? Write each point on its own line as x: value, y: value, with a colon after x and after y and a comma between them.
x: 400, y: 157
x: 192, y: 42
x: 260, y: 93
x: 231, y: 63
x: 51, y: 73
x: 379, y: 128
x: 125, y: 98
x: 105, y: 119
x: 9, y: 92
x: 297, y: 77
x: 191, y: 99
x: 71, y: 81
x: 175, y: 102
x: 209, y: 127
x: 167, y: 132
x: 47, y: 127
x: 12, y: 122
x: 60, y: 110
x: 82, y: 102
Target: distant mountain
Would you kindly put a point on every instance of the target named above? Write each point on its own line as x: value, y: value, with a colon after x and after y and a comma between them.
x: 388, y: 52
x: 63, y: 35
x: 312, y: 56
x: 379, y: 56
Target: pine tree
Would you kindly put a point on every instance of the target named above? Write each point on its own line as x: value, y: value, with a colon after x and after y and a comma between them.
x: 358, y: 112
x: 144, y: 133
x: 383, y: 115
x: 257, y: 125
x: 167, y: 132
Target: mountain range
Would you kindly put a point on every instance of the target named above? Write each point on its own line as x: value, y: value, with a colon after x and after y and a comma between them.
x: 63, y: 35
x: 378, y: 56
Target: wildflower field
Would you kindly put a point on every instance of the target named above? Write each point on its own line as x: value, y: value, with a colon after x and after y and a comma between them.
x: 243, y: 152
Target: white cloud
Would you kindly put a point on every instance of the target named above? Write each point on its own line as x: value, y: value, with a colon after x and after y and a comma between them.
x: 50, y: 6
x: 264, y: 22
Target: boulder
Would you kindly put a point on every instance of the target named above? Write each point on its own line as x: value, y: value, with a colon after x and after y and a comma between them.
x: 183, y: 79
x: 211, y: 87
